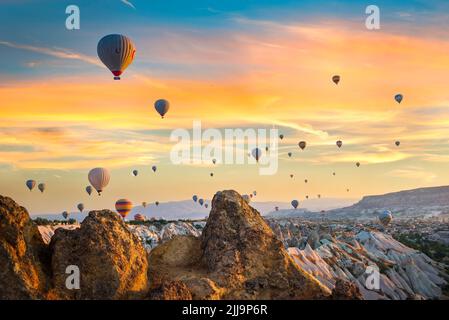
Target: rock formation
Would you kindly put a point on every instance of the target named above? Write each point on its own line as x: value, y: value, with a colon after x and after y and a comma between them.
x: 23, y: 254
x: 112, y: 261
x: 237, y: 257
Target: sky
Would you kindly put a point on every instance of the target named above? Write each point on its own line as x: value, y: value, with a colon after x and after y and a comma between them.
x: 229, y: 64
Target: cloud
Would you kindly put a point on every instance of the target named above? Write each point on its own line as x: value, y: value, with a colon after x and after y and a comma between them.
x: 414, y: 173
x: 129, y: 4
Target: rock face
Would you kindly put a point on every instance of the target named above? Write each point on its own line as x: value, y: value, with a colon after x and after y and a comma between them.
x: 237, y: 257
x: 23, y: 254
x: 111, y: 260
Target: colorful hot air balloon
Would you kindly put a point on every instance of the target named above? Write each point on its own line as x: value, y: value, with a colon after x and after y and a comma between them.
x: 65, y: 214
x: 80, y: 207
x: 41, y: 187
x: 256, y: 153
x: 154, y: 168
x: 302, y: 145
x: 397, y: 143
x: 135, y: 173
x: 89, y: 190
x: 398, y: 98
x: 281, y: 136
x: 30, y: 184
x: 162, y: 107
x: 144, y: 204
x: 339, y: 143
x: 116, y: 52
x: 201, y: 202
x: 123, y: 207
x: 195, y: 198
x: 139, y: 217
x: 99, y: 178
x: 336, y: 79
x: 385, y: 218
x: 295, y: 204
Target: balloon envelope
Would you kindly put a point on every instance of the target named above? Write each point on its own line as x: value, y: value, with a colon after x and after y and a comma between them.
x: 30, y: 184
x: 385, y: 217
x: 123, y: 207
x: 339, y: 143
x: 41, y: 187
x: 117, y: 52
x: 201, y: 201
x: 89, y: 190
x: 65, y: 214
x: 336, y: 79
x: 302, y: 144
x: 281, y: 136
x: 162, y: 107
x: 135, y: 172
x: 256, y: 153
x: 295, y: 204
x: 195, y: 198
x: 139, y: 217
x: 99, y: 178
x: 80, y: 207
x: 397, y: 143
x: 154, y: 168
x: 398, y: 98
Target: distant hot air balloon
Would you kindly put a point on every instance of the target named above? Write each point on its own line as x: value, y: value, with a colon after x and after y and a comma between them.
x: 256, y: 153
x: 195, y: 198
x: 306, y: 180
x: 99, y: 178
x: 211, y: 174
x: 123, y: 207
x: 41, y: 187
x: 139, y: 217
x: 65, y: 214
x: 116, y: 52
x: 89, y: 190
x: 135, y: 173
x: 154, y: 168
x: 336, y: 79
x: 358, y: 164
x: 162, y: 107
x: 289, y: 154
x: 281, y: 136
x: 291, y: 176
x: 302, y: 145
x: 255, y: 193
x: 307, y: 197
x: 385, y: 218
x: 30, y: 184
x: 156, y: 203
x: 206, y: 205
x: 339, y: 143
x: 319, y: 196
x: 397, y: 143
x: 276, y: 208
x: 201, y: 202
x: 333, y: 173
x: 144, y: 204
x: 398, y: 98
x: 214, y: 161
x: 251, y: 195
x: 80, y: 207
x: 295, y: 204
x: 347, y: 190
x: 246, y: 198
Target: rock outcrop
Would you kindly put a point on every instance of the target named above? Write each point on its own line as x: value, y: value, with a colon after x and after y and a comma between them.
x: 111, y: 260
x: 237, y: 257
x: 23, y: 254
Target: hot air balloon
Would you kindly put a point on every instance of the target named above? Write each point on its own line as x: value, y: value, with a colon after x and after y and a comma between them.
x: 116, y: 52
x: 255, y: 193
x: 135, y: 173
x: 333, y: 173
x: 144, y: 204
x: 195, y: 198
x: 276, y: 208
x: 201, y: 201
x: 246, y: 198
x: 358, y: 164
x: 306, y: 181
x: 295, y: 204
x: 398, y: 98
x: 211, y: 174
x: 281, y: 136
x: 206, y: 205
x: 291, y: 176
x: 336, y: 79
x: 65, y: 214
x: 162, y: 107
x: 80, y: 207
x: 30, y: 184
x: 41, y: 187
x: 256, y: 153
x: 99, y: 178
x: 139, y: 217
x: 214, y: 161
x: 347, y: 190
x: 123, y: 207
x: 251, y: 195
x: 302, y: 145
x: 154, y: 168
x: 89, y: 190
x: 289, y: 154
x: 319, y: 196
x: 307, y: 197
x: 385, y: 218
x: 156, y: 203
x: 339, y: 143
x: 397, y: 143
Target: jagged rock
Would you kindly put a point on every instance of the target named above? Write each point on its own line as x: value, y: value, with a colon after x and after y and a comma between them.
x: 175, y: 290
x: 112, y: 261
x: 346, y: 290
x: 23, y: 254
x: 237, y: 257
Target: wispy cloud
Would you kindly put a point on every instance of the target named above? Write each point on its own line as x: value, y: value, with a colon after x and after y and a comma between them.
x: 129, y: 4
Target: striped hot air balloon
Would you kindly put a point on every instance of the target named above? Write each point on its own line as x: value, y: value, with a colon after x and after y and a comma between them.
x: 117, y: 52
x: 123, y: 207
x: 139, y: 217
